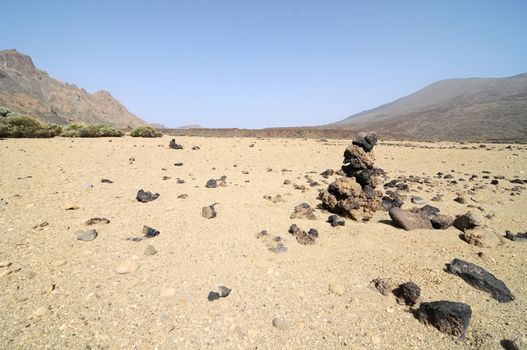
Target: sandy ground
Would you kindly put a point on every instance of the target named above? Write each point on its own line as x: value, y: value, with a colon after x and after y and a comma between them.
x: 60, y: 292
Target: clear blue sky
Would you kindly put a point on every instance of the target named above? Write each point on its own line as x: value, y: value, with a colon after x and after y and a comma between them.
x: 264, y: 63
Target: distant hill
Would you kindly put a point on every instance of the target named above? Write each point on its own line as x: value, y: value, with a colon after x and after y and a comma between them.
x: 491, y: 109
x: 28, y: 90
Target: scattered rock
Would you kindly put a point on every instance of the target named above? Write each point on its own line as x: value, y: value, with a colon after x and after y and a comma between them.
x: 467, y: 221
x: 303, y: 211
x: 334, y: 220
x: 385, y: 286
x: 408, y: 220
x: 287, y: 182
x: 407, y: 293
x: 303, y: 237
x: 149, y: 232
x: 174, y: 145
x: 178, y: 164
x: 481, y: 279
x: 97, y: 221
x: 106, y: 181
x: 127, y: 266
x: 208, y: 212
x: 483, y: 238
x: 276, y: 199
x: 327, y: 173
x: 41, y: 225
x: 519, y: 343
x: 195, y: 148
x: 71, y: 206
x: 150, y: 250
x: 213, y: 296
x: 182, y: 196
x: 447, y: 316
x: 281, y: 324
x: 337, y: 289
x: 459, y: 199
x: 89, y: 235
x: 518, y: 237
x: 211, y: 184
x: 224, y: 291
x: 145, y: 197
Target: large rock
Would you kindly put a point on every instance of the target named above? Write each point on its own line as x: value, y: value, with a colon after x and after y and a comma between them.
x: 483, y: 238
x: 447, y: 316
x: 481, y: 279
x: 408, y: 220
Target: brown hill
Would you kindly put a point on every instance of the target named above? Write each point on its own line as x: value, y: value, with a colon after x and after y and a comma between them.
x: 492, y: 109
x: 28, y: 90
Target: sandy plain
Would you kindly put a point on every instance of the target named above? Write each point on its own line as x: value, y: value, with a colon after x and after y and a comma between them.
x: 59, y: 292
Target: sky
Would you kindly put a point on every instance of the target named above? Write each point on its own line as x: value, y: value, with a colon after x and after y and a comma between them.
x: 264, y: 63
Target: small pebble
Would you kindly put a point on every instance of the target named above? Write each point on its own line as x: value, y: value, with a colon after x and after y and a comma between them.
x: 281, y: 324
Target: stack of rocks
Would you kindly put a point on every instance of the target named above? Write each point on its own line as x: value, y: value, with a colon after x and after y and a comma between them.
x: 354, y: 195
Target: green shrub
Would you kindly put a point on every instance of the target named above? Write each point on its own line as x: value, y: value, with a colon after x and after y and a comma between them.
x: 16, y: 125
x: 145, y: 131
x: 91, y: 130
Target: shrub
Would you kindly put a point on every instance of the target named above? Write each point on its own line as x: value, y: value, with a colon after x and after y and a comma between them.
x: 91, y: 130
x: 16, y: 125
x: 145, y: 131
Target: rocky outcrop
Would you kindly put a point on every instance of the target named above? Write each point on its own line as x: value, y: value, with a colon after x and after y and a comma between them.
x: 354, y: 195
x: 26, y: 89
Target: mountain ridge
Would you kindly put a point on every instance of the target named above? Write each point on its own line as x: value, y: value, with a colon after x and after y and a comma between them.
x: 26, y: 89
x: 453, y: 109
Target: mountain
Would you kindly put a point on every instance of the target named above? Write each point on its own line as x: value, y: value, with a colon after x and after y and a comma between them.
x: 491, y: 109
x: 29, y: 90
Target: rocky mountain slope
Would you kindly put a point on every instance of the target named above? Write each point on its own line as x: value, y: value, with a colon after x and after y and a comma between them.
x: 493, y: 109
x: 29, y: 90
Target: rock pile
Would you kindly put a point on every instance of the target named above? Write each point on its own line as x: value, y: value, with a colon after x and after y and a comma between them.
x: 354, y: 195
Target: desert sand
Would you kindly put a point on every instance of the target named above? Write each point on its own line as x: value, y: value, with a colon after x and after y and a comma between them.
x: 63, y: 293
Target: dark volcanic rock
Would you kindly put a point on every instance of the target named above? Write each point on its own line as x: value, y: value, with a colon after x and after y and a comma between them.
x: 303, y: 237
x: 481, y: 279
x: 211, y: 184
x: 327, y: 173
x: 97, y: 221
x: 174, y: 145
x: 145, y: 197
x: 106, y: 181
x: 407, y: 293
x: 519, y: 237
x: 408, y: 220
x: 467, y: 221
x: 447, y: 316
x: 366, y: 140
x: 149, y: 232
x: 334, y: 220
x: 213, y: 296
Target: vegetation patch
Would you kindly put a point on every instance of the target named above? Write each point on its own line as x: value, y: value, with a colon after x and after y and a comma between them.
x: 13, y: 124
x: 145, y: 131
x: 91, y: 130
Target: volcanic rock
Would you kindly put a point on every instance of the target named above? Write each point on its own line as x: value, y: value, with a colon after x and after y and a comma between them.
x: 409, y: 220
x: 145, y: 197
x: 481, y: 279
x: 174, y: 145
x: 447, y: 316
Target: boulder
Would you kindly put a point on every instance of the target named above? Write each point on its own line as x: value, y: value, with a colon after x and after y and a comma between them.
x: 468, y: 221
x: 366, y: 140
x: 145, y: 197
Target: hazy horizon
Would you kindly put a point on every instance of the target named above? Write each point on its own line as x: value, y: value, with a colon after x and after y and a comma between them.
x: 255, y: 65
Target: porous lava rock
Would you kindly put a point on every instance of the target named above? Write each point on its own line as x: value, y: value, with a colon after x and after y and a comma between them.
x: 354, y: 195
